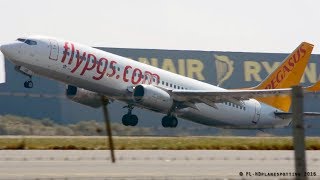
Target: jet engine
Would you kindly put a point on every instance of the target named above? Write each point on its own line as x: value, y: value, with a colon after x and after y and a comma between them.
x: 152, y: 98
x: 83, y: 96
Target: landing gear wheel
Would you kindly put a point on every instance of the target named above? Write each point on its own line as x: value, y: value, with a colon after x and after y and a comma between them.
x: 28, y: 84
x: 130, y: 120
x: 169, y: 121
x: 125, y: 120
x: 174, y: 122
x: 133, y: 120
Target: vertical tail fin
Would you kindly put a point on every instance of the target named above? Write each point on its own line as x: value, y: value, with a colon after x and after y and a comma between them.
x: 288, y: 74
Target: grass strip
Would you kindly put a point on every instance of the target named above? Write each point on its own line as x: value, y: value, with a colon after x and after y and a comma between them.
x: 156, y: 143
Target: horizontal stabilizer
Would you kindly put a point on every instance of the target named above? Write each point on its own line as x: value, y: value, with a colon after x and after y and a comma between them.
x: 2, y: 69
x: 287, y: 115
x: 314, y: 88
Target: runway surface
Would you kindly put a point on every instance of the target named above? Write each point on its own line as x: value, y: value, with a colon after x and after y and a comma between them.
x: 151, y: 164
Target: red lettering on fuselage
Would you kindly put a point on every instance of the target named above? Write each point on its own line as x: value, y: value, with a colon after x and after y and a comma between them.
x: 79, y: 60
x: 91, y: 58
x: 102, y: 65
x: 103, y: 71
x: 126, y: 69
x: 112, y: 66
x: 65, y: 52
x: 72, y: 54
x: 150, y: 76
x: 134, y: 74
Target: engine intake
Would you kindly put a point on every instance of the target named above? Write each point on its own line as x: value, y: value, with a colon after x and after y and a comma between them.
x: 152, y: 98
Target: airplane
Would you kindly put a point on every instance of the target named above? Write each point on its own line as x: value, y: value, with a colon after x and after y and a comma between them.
x: 91, y: 73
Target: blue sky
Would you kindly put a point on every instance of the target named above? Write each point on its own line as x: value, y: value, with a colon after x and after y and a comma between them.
x: 228, y: 25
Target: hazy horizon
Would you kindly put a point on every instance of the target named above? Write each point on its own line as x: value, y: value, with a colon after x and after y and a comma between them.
x: 230, y: 25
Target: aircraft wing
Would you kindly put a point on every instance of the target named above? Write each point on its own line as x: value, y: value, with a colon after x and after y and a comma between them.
x: 210, y: 97
x: 287, y: 115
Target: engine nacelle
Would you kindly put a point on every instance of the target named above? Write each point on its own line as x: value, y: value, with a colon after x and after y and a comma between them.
x: 83, y: 96
x: 152, y: 98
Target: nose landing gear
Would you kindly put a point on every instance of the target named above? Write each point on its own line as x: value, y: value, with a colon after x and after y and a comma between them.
x: 26, y: 72
x: 129, y: 119
x: 28, y: 84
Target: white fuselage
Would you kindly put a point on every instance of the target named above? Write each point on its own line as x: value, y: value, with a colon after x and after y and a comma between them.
x: 114, y: 76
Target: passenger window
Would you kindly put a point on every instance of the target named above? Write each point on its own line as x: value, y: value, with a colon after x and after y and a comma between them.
x: 170, y: 85
x: 118, y: 68
x: 174, y: 86
x: 162, y: 82
x: 178, y: 87
x: 166, y: 84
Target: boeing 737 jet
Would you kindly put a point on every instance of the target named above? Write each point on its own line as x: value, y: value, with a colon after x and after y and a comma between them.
x: 91, y: 73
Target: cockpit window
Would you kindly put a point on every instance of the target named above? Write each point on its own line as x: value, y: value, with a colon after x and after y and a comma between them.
x: 27, y: 41
x: 30, y: 42
x: 21, y: 39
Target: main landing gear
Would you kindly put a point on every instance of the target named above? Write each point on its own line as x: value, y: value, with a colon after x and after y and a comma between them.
x: 169, y: 122
x: 129, y: 119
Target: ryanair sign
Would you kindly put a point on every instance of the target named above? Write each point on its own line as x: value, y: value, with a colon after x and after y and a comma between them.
x: 225, y: 69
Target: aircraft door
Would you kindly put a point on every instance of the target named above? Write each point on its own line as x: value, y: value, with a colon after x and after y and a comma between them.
x: 54, y: 49
x: 257, y: 113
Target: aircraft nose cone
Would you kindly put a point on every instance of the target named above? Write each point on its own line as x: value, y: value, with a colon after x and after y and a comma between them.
x: 4, y: 48
x: 8, y: 49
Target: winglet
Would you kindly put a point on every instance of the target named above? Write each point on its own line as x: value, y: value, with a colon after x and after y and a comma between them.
x: 313, y: 88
